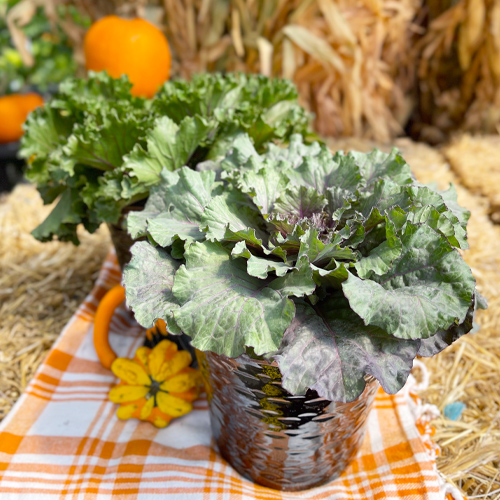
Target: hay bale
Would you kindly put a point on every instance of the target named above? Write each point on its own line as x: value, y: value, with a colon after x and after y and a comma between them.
x: 470, y: 372
x: 476, y: 161
x: 41, y: 286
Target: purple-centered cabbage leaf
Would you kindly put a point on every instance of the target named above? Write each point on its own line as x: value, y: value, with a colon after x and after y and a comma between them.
x: 338, y: 266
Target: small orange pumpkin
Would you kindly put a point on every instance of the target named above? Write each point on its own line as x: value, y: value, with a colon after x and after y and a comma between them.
x: 14, y: 110
x: 132, y: 47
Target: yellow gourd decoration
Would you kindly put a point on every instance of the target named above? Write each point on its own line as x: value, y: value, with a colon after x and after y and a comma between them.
x: 158, y: 385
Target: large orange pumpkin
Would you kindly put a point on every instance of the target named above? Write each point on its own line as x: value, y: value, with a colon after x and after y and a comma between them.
x: 131, y: 47
x: 14, y: 109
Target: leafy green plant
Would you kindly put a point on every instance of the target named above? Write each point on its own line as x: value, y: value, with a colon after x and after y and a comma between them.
x: 49, y: 46
x: 100, y: 150
x: 337, y: 266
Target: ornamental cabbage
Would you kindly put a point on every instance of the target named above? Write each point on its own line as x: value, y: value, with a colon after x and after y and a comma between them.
x: 338, y: 266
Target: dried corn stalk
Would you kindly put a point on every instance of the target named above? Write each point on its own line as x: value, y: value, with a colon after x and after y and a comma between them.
x: 351, y: 60
x: 354, y: 61
x: 459, y: 70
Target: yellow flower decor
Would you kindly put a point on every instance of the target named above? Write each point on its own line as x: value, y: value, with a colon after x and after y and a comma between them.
x: 158, y: 385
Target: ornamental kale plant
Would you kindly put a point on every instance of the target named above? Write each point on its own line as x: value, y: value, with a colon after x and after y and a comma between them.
x: 337, y: 266
x: 99, y: 149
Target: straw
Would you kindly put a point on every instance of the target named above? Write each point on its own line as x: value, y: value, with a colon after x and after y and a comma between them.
x: 41, y: 285
x: 475, y: 160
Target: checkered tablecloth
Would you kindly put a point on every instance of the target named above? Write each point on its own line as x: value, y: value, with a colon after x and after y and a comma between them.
x: 62, y: 439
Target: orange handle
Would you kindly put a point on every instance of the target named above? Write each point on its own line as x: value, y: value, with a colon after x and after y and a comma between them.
x: 102, y: 320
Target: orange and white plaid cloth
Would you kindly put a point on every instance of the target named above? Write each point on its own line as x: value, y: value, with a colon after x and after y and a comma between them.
x: 62, y: 440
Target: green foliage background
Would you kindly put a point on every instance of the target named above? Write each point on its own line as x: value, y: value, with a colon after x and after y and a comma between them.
x: 49, y: 46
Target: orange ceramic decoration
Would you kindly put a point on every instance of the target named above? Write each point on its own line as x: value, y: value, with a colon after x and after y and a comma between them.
x: 132, y: 47
x: 102, y: 320
x: 14, y: 110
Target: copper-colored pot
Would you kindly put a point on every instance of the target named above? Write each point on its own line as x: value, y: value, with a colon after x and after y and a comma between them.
x: 276, y: 439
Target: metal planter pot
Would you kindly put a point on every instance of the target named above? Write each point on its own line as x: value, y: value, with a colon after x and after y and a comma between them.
x: 276, y: 439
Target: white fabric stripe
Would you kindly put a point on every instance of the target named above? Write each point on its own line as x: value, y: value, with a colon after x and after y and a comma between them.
x: 91, y: 377
x: 73, y: 388
x: 373, y: 428
x: 103, y: 416
x: 68, y: 397
x: 10, y: 475
x: 172, y: 496
x: 26, y: 458
x: 27, y: 496
x: 244, y: 487
x: 21, y: 485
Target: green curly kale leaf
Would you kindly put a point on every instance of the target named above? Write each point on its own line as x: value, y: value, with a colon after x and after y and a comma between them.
x: 96, y: 144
